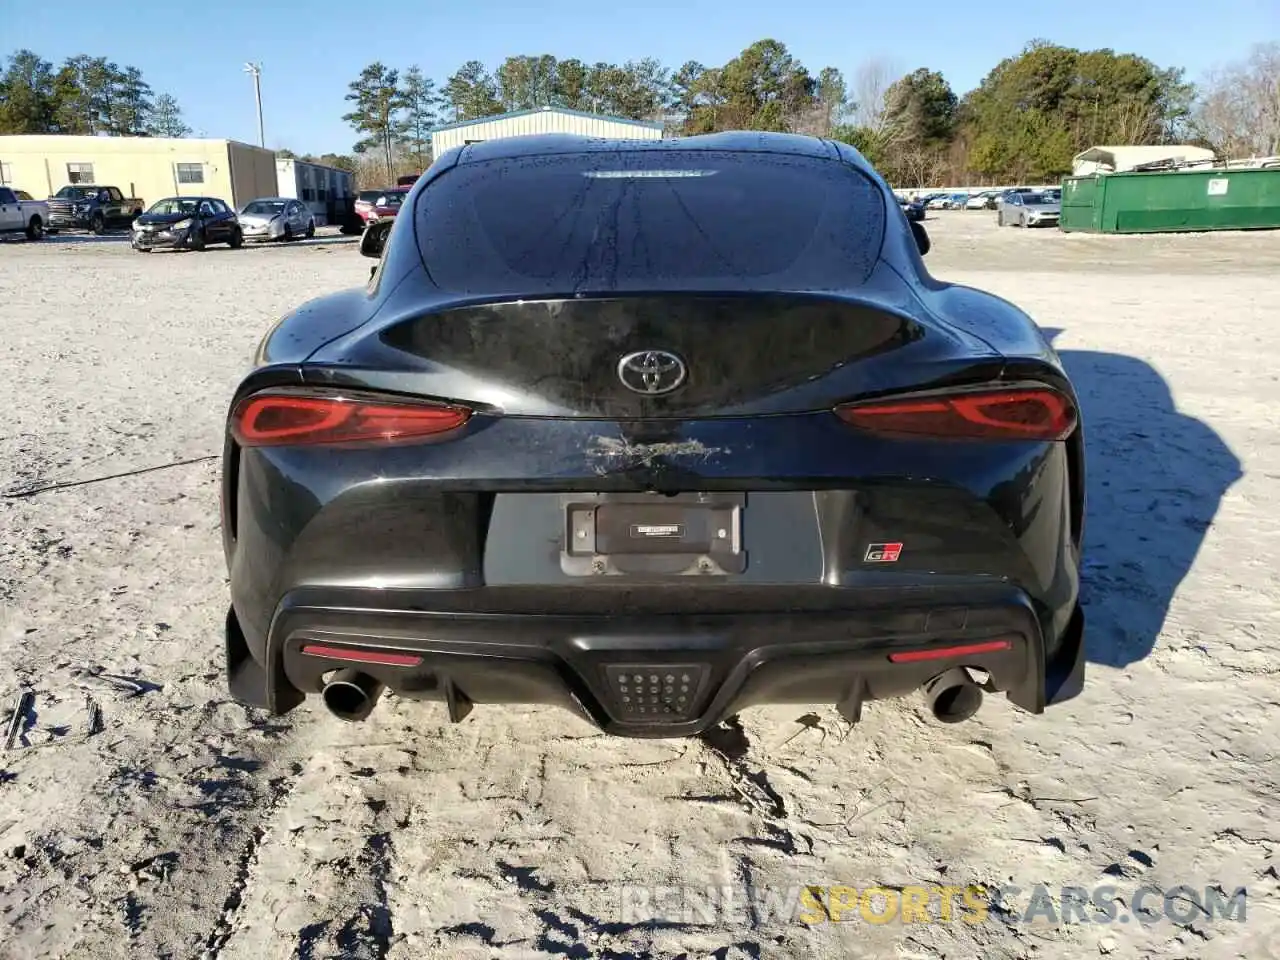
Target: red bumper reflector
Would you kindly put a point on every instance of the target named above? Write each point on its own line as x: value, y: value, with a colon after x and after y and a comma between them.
x: 946, y: 653
x: 362, y: 656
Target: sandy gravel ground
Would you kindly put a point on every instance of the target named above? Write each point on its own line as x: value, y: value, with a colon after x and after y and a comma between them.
x: 187, y: 826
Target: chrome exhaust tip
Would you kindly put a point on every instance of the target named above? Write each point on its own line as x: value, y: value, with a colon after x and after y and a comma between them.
x: 351, y: 695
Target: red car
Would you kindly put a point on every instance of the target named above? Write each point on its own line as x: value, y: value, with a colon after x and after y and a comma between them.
x: 374, y: 205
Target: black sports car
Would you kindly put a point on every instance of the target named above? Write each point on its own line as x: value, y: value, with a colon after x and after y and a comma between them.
x: 654, y: 431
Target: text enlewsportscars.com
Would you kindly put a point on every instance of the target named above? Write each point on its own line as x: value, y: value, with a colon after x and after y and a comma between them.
x: 931, y: 903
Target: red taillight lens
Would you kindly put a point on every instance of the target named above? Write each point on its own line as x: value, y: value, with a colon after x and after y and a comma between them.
x: 279, y: 419
x: 996, y: 414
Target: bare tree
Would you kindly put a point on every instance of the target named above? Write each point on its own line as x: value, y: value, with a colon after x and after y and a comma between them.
x: 869, y: 96
x: 1136, y: 120
x: 1238, y: 112
x: 921, y: 166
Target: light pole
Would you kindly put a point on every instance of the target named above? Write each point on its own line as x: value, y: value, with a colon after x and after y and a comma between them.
x: 255, y: 70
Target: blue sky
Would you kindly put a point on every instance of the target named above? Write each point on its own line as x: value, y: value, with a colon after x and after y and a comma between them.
x: 311, y: 51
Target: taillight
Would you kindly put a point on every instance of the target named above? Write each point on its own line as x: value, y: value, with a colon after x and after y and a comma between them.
x: 282, y: 419
x: 991, y: 414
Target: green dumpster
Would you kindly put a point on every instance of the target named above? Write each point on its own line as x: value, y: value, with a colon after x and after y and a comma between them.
x: 1166, y: 201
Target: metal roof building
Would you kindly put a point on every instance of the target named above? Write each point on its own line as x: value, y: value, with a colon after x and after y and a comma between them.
x: 1118, y: 159
x: 543, y: 120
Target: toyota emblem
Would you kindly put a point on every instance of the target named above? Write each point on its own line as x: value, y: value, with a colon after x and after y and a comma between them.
x: 651, y: 372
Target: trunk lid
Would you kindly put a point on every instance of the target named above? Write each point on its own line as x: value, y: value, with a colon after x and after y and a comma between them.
x: 597, y: 357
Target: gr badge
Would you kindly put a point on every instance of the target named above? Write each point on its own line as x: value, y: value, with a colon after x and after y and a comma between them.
x: 882, y: 553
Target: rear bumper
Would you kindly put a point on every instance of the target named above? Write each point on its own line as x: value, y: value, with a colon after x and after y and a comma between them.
x: 719, y: 662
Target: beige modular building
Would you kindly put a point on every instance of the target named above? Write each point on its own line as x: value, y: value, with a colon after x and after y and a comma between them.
x: 544, y: 120
x: 149, y: 168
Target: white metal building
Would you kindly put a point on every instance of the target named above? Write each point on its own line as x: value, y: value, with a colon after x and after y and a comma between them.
x: 325, y: 190
x: 544, y: 120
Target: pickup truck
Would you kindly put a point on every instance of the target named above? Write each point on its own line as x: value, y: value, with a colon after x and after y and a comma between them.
x: 93, y: 208
x: 19, y: 213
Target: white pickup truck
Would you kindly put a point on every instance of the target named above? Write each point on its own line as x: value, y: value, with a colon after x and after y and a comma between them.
x: 21, y: 214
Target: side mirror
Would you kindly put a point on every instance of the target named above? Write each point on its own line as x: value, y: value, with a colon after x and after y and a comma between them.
x: 922, y: 236
x: 375, y: 238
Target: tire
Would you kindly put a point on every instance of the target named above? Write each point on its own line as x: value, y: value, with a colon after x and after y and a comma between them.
x: 999, y: 218
x: 97, y: 224
x: 35, y: 229
x: 196, y: 243
x: 287, y: 236
x: 311, y: 229
x: 237, y: 240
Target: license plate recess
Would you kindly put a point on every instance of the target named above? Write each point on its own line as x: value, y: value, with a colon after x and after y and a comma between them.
x: 687, y: 534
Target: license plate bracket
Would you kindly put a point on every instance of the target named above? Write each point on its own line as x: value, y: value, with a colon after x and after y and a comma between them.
x: 686, y: 534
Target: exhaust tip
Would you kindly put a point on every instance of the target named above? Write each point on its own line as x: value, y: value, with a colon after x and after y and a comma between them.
x: 953, y: 696
x: 351, y: 695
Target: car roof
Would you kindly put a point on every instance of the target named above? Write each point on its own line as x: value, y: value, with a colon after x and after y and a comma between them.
x: 736, y: 141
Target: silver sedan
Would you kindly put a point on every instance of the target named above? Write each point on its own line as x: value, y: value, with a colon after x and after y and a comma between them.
x: 276, y: 218
x: 1029, y: 210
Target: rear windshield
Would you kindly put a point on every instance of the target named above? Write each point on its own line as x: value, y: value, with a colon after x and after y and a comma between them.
x: 369, y: 196
x: 650, y: 221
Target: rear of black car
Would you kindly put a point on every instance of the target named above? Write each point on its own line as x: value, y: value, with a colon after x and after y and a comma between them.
x: 654, y: 434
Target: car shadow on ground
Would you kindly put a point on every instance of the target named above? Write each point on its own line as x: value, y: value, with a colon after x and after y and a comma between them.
x: 118, y: 237
x: 65, y: 238
x: 1155, y: 478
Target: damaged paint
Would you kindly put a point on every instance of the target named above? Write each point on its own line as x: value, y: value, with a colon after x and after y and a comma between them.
x: 644, y: 454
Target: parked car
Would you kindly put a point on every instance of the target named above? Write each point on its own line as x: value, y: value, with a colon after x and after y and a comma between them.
x: 21, y: 214
x: 1029, y: 210
x: 374, y: 205
x: 1006, y: 194
x: 940, y: 202
x: 388, y: 204
x: 186, y: 223
x: 365, y: 201
x: 276, y: 218
x: 914, y: 209
x: 978, y: 201
x: 89, y: 207
x: 533, y: 465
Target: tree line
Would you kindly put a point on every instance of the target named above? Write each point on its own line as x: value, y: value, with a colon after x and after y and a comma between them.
x: 86, y: 95
x: 1024, y: 121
